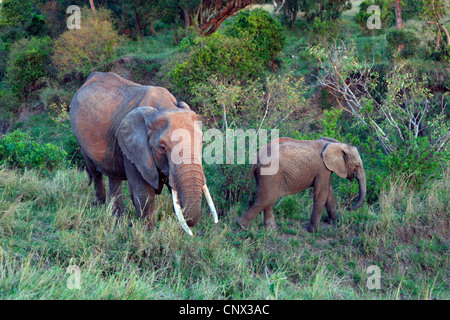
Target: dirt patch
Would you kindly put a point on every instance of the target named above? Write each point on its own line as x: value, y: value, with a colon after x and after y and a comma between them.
x: 29, y: 110
x: 440, y: 229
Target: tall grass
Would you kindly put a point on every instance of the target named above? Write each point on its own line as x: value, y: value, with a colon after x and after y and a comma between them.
x: 48, y: 224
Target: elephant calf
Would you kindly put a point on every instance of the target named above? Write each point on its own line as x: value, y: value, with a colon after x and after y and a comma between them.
x: 304, y: 164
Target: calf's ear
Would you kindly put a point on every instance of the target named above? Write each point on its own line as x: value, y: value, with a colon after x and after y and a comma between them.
x: 334, y: 158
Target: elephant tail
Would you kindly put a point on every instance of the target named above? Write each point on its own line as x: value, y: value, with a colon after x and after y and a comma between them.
x: 89, y: 176
x: 252, y: 173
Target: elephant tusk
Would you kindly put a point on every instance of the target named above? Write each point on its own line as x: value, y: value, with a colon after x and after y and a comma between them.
x: 179, y: 212
x: 210, y: 203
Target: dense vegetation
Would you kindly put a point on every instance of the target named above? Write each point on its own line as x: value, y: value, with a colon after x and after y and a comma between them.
x: 309, y: 69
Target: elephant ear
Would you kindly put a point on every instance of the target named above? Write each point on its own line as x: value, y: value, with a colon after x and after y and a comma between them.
x: 133, y: 139
x: 334, y: 156
x: 182, y: 105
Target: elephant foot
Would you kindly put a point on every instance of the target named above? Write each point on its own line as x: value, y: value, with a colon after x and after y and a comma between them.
x: 332, y: 221
x: 97, y: 203
x: 311, y: 228
x: 271, y: 225
x: 242, y: 223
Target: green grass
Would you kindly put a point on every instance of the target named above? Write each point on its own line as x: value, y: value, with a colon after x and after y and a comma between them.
x: 161, y: 46
x: 47, y: 223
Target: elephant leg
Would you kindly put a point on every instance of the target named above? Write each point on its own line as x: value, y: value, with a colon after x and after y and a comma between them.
x: 269, y: 221
x: 321, y: 190
x: 97, y: 177
x: 115, y: 193
x: 142, y: 193
x: 331, y: 207
x: 244, y: 220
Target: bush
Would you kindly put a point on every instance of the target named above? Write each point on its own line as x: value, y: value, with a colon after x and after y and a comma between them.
x: 85, y: 50
x: 18, y: 150
x: 29, y: 60
x: 261, y: 29
x: 406, y: 38
x: 74, y: 156
x: 253, y: 106
x: 243, y: 53
x: 232, y: 58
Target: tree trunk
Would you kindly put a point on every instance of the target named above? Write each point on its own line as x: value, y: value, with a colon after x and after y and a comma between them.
x: 399, y: 21
x: 438, y: 38
x: 293, y: 19
x: 152, y: 29
x: 138, y: 24
x: 398, y: 14
x: 92, y: 5
x: 213, y: 13
x: 446, y: 34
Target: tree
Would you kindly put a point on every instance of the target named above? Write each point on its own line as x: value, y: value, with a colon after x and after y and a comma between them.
x: 434, y: 10
x: 91, y: 2
x: 146, y: 12
x: 323, y: 9
x: 398, y: 14
x: 208, y: 15
x: 290, y: 10
x: 16, y: 12
x: 80, y: 52
x: 396, y: 117
x: 399, y: 20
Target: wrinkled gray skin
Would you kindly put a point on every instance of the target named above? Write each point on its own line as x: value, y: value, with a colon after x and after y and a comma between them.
x: 124, y: 131
x: 302, y: 165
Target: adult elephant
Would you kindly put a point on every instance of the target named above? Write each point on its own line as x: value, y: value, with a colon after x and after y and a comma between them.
x: 304, y: 164
x: 138, y: 133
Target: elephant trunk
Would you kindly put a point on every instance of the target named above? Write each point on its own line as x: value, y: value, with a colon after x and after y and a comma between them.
x: 361, y: 177
x: 190, y: 190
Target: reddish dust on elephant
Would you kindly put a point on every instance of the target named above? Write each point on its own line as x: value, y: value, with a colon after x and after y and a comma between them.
x: 302, y: 165
x: 125, y: 132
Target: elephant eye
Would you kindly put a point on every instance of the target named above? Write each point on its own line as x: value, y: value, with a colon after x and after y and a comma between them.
x: 162, y: 147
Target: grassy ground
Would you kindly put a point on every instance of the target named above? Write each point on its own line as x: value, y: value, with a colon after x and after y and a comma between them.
x: 48, y: 224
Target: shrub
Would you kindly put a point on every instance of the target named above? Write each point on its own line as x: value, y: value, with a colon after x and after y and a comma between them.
x: 260, y: 28
x: 386, y: 14
x: 18, y: 150
x: 29, y: 60
x: 243, y: 53
x: 407, y: 38
x: 85, y: 50
x: 251, y: 106
x: 74, y: 156
x: 231, y: 58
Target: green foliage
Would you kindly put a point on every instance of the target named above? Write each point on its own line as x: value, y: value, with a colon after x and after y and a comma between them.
x: 418, y: 163
x: 239, y: 55
x: 271, y: 105
x: 262, y: 29
x: 89, y: 48
x: 28, y: 61
x: 387, y: 16
x: 231, y: 58
x: 18, y: 150
x: 14, y: 12
x: 73, y: 152
x: 324, y: 9
x: 406, y: 38
x: 331, y: 127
